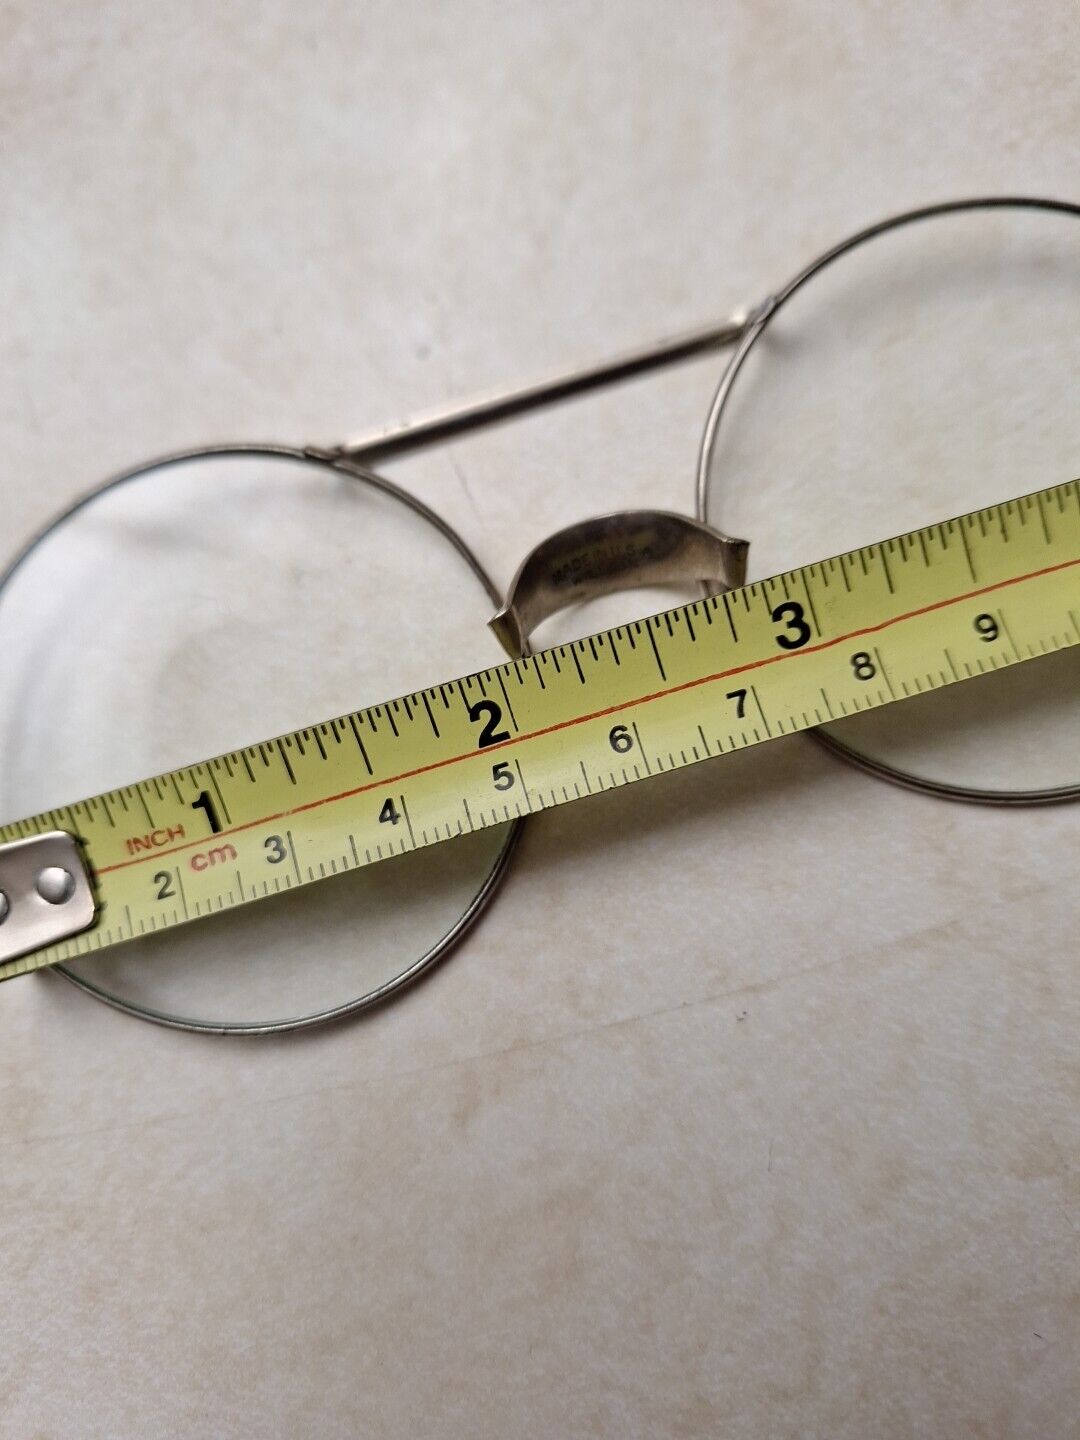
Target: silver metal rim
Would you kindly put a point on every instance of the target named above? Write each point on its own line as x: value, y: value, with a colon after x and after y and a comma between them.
x: 498, y: 869
x: 756, y: 326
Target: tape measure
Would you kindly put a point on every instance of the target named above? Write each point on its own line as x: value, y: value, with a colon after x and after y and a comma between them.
x: 889, y: 621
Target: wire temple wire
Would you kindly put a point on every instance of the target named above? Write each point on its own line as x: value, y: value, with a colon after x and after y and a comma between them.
x: 451, y: 421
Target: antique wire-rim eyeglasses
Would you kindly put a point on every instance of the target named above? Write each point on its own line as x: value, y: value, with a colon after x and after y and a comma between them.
x: 744, y: 333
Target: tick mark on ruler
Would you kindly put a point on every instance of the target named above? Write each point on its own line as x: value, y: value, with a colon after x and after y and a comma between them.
x: 761, y: 712
x: 655, y: 651
x: 408, y: 821
x: 360, y: 744
x: 967, y: 549
x: 888, y: 572
x: 292, y: 852
x: 813, y: 609
x: 524, y: 787
x: 220, y: 797
x: 430, y: 716
x: 506, y: 697
x: 285, y: 762
x: 641, y: 748
x: 730, y: 619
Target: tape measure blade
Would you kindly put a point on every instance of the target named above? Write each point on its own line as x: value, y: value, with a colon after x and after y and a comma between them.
x: 876, y: 625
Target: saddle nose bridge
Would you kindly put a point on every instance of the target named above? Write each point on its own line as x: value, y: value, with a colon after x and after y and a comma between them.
x: 625, y: 550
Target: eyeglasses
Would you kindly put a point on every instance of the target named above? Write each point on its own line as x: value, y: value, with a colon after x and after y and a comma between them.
x: 250, y: 587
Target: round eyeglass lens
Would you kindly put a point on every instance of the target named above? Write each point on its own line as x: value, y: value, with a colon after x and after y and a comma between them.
x: 208, y: 602
x: 930, y: 371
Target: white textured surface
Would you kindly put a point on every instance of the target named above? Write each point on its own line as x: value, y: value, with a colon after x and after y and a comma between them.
x: 752, y: 1107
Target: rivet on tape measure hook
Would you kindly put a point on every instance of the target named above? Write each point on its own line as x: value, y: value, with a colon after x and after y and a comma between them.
x: 46, y: 894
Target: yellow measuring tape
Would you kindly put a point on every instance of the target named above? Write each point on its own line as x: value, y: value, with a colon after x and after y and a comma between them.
x: 892, y: 620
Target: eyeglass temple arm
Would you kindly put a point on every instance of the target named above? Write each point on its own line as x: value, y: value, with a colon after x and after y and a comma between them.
x: 460, y: 419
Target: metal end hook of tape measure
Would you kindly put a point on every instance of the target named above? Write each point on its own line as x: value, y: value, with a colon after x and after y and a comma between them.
x: 45, y: 893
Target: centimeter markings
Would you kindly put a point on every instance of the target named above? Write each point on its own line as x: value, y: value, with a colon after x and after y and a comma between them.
x: 889, y: 621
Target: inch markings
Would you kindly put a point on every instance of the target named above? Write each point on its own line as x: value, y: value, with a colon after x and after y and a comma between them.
x: 839, y: 637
